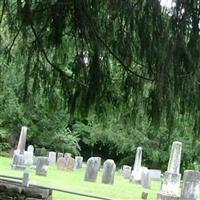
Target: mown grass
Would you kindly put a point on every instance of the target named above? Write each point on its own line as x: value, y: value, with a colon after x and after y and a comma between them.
x: 74, y: 181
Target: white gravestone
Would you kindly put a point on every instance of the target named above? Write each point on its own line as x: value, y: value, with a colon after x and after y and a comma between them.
x: 109, y: 168
x: 155, y: 174
x: 172, y: 177
x: 136, y: 173
x: 52, y: 158
x: 145, y: 179
x: 126, y: 171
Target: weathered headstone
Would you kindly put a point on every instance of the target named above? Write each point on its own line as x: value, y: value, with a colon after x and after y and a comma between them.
x: 146, y: 179
x: 99, y: 161
x: 22, y: 140
x: 78, y: 162
x: 52, y: 158
x: 59, y: 155
x: 191, y: 184
x: 67, y: 155
x: 61, y: 163
x: 109, y: 168
x: 35, y: 160
x: 29, y: 155
x: 42, y: 166
x: 92, y: 169
x: 18, y: 161
x: 19, y: 157
x: 70, y: 163
x: 136, y: 173
x: 30, y: 149
x: 126, y: 171
x: 172, y: 177
x: 155, y: 174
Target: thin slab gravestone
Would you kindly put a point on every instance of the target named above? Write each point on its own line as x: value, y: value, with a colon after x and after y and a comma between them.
x: 109, y: 168
x: 191, y: 184
x: 155, y: 174
x: 61, y: 163
x: 70, y: 163
x: 42, y: 166
x: 59, y: 155
x: 52, y: 158
x: 126, y: 171
x: 146, y: 179
x: 92, y: 169
x: 78, y: 162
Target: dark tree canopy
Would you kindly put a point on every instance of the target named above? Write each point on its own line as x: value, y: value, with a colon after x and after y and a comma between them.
x: 122, y: 58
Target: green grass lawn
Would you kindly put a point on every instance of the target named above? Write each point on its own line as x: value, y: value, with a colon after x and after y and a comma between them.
x: 73, y: 181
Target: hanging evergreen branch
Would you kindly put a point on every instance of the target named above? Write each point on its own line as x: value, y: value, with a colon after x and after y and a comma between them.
x: 55, y: 66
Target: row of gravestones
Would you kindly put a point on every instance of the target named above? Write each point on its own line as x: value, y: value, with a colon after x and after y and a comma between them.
x: 93, y: 167
x: 22, y: 158
x: 170, y: 188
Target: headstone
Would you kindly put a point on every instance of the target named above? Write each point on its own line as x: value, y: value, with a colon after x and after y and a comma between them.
x: 52, y: 158
x: 22, y: 140
x: 59, y: 155
x: 155, y: 174
x: 92, y: 169
x: 146, y: 179
x: 78, y: 162
x: 99, y: 162
x: 35, y: 160
x: 18, y: 161
x: 28, y: 158
x: 144, y: 195
x: 25, y: 181
x: 126, y: 171
x: 172, y: 177
x: 30, y: 149
x: 109, y: 168
x: 70, y: 163
x: 61, y: 163
x: 191, y: 184
x: 42, y: 166
x: 136, y: 173
x: 67, y: 155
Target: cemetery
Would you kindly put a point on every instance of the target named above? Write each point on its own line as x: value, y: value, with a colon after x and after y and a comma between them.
x: 100, y: 99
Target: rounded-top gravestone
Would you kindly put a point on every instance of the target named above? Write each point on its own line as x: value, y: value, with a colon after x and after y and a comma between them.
x: 42, y: 166
x: 92, y: 169
x: 108, y: 172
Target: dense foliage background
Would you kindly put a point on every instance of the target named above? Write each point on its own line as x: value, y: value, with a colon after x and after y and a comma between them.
x: 101, y: 77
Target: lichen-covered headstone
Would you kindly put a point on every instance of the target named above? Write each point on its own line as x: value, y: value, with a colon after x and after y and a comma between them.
x: 109, y: 168
x: 52, y: 158
x: 18, y: 161
x: 191, y: 184
x: 61, y: 163
x: 172, y: 177
x: 146, y: 179
x: 78, y: 162
x: 59, y: 155
x: 42, y: 166
x: 126, y: 171
x: 92, y: 169
x: 70, y: 163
